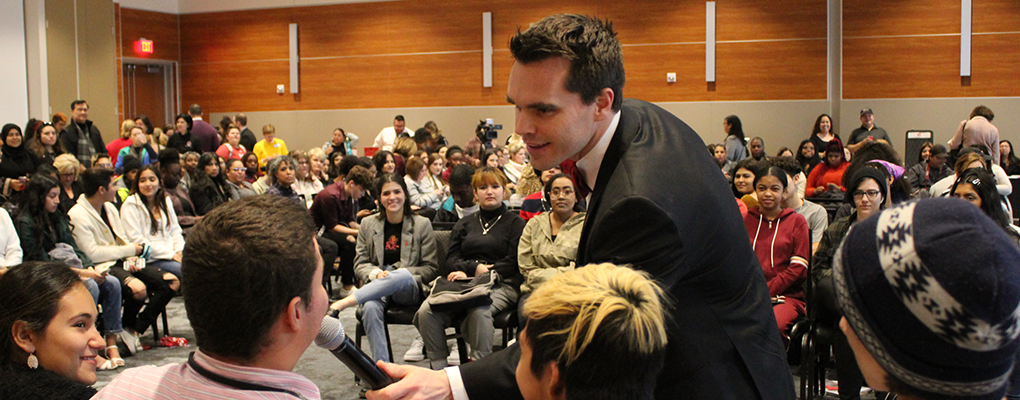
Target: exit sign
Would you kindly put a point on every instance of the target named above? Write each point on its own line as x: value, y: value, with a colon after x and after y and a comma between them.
x: 143, y: 46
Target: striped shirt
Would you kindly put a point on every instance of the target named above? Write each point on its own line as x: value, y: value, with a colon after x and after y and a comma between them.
x: 180, y: 381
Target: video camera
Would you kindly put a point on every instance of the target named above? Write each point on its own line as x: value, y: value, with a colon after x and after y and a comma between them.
x: 487, y: 130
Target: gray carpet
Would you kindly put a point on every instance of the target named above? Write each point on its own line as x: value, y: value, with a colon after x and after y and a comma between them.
x: 328, y: 373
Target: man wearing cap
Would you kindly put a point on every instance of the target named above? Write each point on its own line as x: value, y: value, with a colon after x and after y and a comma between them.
x: 867, y: 133
x: 930, y: 293
x: 923, y: 175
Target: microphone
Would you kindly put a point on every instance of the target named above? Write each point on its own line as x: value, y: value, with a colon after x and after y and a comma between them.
x: 331, y: 337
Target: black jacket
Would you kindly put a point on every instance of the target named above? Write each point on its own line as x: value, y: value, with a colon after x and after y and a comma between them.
x: 661, y: 204
x: 69, y: 139
x: 248, y: 139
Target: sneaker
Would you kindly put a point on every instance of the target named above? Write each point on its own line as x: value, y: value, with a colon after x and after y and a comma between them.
x: 417, y: 350
x: 454, y: 358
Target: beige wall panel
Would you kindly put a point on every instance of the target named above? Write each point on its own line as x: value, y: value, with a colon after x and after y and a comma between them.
x: 60, y: 55
x: 98, y: 63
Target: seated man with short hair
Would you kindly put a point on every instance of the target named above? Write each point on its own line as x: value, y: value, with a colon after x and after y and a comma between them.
x: 930, y: 293
x: 252, y: 271
x: 593, y: 333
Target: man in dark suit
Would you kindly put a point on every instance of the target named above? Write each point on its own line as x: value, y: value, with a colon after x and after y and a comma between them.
x: 81, y: 137
x: 203, y: 134
x: 659, y: 204
x: 248, y: 139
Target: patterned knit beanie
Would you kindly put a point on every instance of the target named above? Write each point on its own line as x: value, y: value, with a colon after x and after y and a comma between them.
x: 932, y: 289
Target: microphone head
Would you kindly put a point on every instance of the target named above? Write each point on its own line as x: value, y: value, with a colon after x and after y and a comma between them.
x: 331, y: 334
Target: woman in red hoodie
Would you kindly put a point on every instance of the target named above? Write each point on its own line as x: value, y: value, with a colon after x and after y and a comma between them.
x: 782, y: 243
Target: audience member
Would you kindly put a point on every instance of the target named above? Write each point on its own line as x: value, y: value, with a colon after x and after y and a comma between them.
x: 49, y: 345
x: 16, y: 162
x: 889, y: 162
x: 978, y: 130
x: 101, y: 161
x: 816, y: 216
x: 232, y: 147
x: 972, y: 157
x: 388, y: 135
x: 317, y: 166
x: 1010, y: 163
x: 477, y: 246
x: 259, y: 248
x: 403, y: 149
x: 757, y: 149
x: 821, y: 134
x: 113, y: 148
x: 454, y: 156
x: 436, y: 164
x: 334, y: 211
x: 209, y: 188
x: 929, y: 292
x: 784, y: 152
x: 69, y: 169
x: 517, y: 163
x: 239, y: 187
x: 343, y: 143
x: 783, y: 249
x: 923, y: 155
x: 204, y: 135
x: 718, y: 153
x: 867, y: 133
x: 743, y: 180
x: 46, y: 147
x: 45, y: 235
x: 251, y: 165
x: 305, y: 185
x: 137, y: 148
x: 384, y: 162
x: 736, y: 149
x: 977, y: 186
x: 81, y: 138
x: 126, y: 181
x: 867, y: 190
x: 270, y: 146
x: 143, y: 121
x: 396, y: 258
x: 181, y: 139
x: 461, y: 202
x: 579, y: 320
x: 98, y: 232
x: 826, y: 179
x: 149, y: 218
x: 10, y: 244
x: 248, y: 139
x: 538, y: 202
x: 60, y: 121
x: 280, y: 172
x: 421, y: 190
x: 223, y: 128
x: 923, y: 175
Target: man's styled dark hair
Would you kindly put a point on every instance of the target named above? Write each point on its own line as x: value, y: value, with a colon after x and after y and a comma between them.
x: 195, y: 110
x: 596, y: 60
x: 94, y: 178
x: 788, y: 164
x: 399, y: 118
x: 347, y: 163
x: 240, y: 119
x: 984, y: 112
x: 169, y: 156
x: 77, y: 102
x: 360, y: 176
x: 243, y: 264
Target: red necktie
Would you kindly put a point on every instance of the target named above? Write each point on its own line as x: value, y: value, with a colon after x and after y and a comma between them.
x: 575, y: 173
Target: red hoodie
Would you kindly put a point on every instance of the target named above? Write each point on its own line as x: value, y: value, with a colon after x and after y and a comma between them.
x: 783, y: 246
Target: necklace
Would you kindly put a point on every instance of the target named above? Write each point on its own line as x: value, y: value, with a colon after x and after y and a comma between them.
x: 487, y: 227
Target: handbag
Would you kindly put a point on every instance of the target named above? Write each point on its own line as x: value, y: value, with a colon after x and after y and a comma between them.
x: 446, y: 295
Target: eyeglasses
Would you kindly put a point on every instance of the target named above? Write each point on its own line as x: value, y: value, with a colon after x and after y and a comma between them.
x: 564, y: 192
x: 242, y: 169
x: 872, y: 194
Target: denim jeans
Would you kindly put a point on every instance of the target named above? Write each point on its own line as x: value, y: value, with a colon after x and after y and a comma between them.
x: 108, y: 293
x: 398, y: 287
x: 170, y: 266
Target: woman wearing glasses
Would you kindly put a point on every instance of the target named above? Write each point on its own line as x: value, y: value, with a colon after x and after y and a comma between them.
x: 868, y: 190
x: 239, y: 187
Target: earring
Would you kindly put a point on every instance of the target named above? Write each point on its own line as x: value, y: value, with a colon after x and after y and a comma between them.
x: 33, y: 361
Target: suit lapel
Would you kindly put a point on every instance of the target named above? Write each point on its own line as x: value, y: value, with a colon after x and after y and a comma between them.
x: 614, y: 153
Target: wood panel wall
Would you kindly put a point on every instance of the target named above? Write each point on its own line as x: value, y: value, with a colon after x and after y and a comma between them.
x: 427, y: 53
x: 911, y: 49
x: 161, y: 28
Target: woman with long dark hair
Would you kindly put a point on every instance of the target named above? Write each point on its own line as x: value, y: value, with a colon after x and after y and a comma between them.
x: 823, y: 133
x: 45, y: 235
x: 977, y: 186
x: 1009, y: 161
x: 45, y: 146
x: 149, y: 218
x: 49, y: 345
x: 209, y: 188
x: 736, y: 149
x: 396, y: 257
x: 807, y: 156
x: 827, y: 178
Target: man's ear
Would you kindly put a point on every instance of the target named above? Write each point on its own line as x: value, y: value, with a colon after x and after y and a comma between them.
x: 604, y: 104
x: 295, y: 312
x: 24, y: 337
x: 553, y: 384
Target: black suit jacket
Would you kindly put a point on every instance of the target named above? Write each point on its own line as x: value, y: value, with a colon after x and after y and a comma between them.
x: 69, y: 139
x: 248, y: 139
x: 662, y: 205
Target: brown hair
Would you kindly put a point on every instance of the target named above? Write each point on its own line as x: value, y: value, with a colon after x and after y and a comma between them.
x: 414, y: 167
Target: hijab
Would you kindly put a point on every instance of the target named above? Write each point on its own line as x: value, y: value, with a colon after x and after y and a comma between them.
x: 17, y: 161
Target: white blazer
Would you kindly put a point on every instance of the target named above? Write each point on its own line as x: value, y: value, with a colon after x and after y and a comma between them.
x: 167, y: 240
x: 94, y: 237
x: 10, y: 243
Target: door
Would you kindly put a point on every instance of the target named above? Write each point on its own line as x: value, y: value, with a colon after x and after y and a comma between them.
x: 150, y: 89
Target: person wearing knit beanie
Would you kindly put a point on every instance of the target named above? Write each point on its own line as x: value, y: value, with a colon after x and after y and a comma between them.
x: 930, y: 293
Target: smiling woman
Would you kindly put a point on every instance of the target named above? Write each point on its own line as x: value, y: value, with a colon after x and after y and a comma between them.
x: 48, y: 338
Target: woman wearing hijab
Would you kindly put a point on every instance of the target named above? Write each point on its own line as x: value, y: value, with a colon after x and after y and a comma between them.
x: 16, y: 162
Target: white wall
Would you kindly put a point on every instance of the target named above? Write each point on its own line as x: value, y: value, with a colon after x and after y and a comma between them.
x: 14, y: 69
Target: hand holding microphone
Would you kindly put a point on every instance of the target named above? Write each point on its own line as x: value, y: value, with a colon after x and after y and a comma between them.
x: 331, y: 337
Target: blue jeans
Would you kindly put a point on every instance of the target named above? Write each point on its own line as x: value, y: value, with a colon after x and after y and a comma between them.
x: 109, y: 293
x: 398, y: 287
x: 170, y: 266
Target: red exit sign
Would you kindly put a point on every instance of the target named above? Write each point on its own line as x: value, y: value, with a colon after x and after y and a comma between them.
x: 143, y: 46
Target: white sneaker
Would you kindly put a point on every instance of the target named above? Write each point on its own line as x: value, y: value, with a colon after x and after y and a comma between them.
x: 417, y: 350
x: 454, y: 358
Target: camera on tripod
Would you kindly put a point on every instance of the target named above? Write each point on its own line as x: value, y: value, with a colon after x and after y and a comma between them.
x: 488, y: 130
